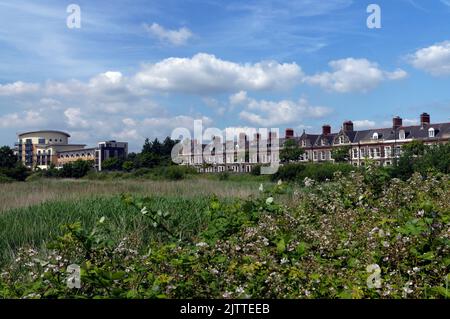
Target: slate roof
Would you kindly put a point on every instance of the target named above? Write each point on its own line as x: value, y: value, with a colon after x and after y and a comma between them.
x: 442, y: 130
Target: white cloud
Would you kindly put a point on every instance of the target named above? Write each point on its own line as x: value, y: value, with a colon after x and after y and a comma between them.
x: 204, y: 74
x: 410, y: 122
x: 74, y: 118
x: 434, y: 59
x: 353, y: 75
x: 268, y: 113
x: 238, y: 98
x: 23, y: 119
x: 406, y: 122
x: 18, y: 88
x: 364, y: 124
x: 174, y: 37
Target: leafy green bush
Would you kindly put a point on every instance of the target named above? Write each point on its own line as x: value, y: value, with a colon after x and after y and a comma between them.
x: 76, y: 169
x: 318, y: 172
x: 325, y: 245
x: 5, y: 179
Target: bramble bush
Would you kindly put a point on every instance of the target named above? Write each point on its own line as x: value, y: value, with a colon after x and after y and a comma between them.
x: 325, y: 245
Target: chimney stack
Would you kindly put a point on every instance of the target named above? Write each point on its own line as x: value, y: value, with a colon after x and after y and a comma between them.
x: 289, y: 133
x: 424, y: 119
x: 326, y: 130
x: 397, y: 122
x: 348, y: 126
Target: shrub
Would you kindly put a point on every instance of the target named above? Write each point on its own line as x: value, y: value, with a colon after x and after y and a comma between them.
x: 325, y: 246
x: 318, y: 172
x: 224, y: 176
x: 5, y: 179
x: 76, y: 169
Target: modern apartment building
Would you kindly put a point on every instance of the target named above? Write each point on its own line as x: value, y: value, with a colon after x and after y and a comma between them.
x: 381, y: 146
x: 41, y: 149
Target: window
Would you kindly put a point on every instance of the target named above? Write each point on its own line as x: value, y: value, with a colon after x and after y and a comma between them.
x: 375, y: 136
x: 431, y: 132
x: 304, y: 143
x: 398, y: 151
x: 315, y: 155
x: 402, y: 135
x: 322, y: 156
x: 41, y: 141
x: 363, y: 153
x: 387, y: 151
x: 355, y: 153
x: 341, y: 140
x: 324, y: 142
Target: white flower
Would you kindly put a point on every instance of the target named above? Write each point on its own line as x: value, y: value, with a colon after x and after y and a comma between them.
x: 227, y: 294
x: 269, y: 200
x: 284, y: 261
x: 239, y: 290
x: 144, y: 211
x: 279, y: 182
x: 261, y: 188
x: 102, y: 220
x: 202, y: 244
x: 155, y: 224
x: 160, y: 213
x: 308, y: 182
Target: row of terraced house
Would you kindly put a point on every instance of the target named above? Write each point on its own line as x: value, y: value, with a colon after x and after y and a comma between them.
x: 380, y: 146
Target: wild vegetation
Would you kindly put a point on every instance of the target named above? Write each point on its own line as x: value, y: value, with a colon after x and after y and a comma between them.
x: 324, y: 231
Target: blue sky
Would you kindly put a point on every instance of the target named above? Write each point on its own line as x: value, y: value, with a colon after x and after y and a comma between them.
x: 139, y: 69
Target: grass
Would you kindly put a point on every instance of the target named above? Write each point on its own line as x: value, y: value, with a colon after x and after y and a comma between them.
x: 31, y: 213
x: 37, y: 225
x: 20, y: 194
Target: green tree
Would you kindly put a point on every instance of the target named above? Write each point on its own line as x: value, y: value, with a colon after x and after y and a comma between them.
x: 76, y: 169
x: 112, y: 164
x: 291, y: 151
x: 147, y: 148
x: 128, y: 166
x: 7, y: 157
x: 341, y: 154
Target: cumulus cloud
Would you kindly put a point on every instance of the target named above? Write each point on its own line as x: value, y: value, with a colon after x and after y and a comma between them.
x: 205, y: 74
x: 238, y: 98
x: 364, y: 124
x: 353, y: 75
x: 174, y: 37
x: 22, y: 119
x: 434, y: 59
x: 269, y: 113
x: 18, y: 88
x: 75, y: 119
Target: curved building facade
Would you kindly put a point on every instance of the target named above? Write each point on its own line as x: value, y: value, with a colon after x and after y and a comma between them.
x: 42, y: 149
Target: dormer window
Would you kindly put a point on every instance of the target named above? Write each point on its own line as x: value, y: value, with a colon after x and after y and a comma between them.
x: 341, y: 140
x: 431, y: 132
x: 324, y: 143
x: 304, y: 143
x: 375, y: 136
x: 402, y: 135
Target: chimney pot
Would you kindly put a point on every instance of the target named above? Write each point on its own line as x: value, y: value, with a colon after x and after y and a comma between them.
x: 326, y: 129
x: 424, y: 119
x: 289, y: 133
x: 348, y: 126
x: 397, y: 122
